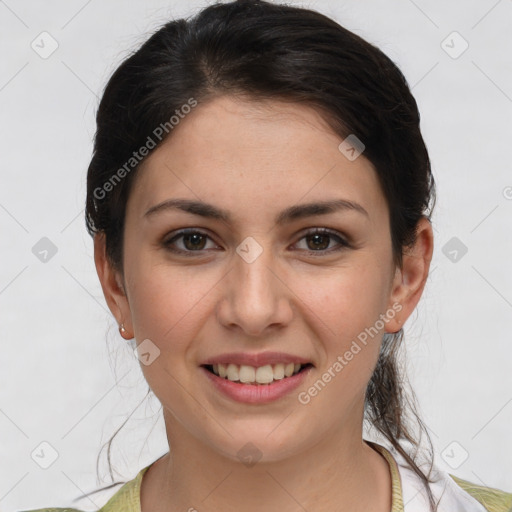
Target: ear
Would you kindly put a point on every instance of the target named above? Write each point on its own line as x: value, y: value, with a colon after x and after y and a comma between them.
x: 112, y: 283
x: 409, y: 281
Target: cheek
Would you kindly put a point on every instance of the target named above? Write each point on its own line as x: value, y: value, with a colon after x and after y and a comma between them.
x: 344, y: 306
x: 165, y: 306
x: 167, y: 303
x: 345, y: 300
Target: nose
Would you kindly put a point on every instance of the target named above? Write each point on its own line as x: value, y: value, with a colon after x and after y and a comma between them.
x: 257, y: 298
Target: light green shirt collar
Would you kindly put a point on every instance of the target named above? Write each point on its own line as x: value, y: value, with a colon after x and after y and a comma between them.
x: 127, y: 499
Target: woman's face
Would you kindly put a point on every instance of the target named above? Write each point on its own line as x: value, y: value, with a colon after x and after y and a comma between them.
x: 258, y: 281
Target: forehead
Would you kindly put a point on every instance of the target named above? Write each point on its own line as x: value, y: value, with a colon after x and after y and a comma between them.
x: 254, y: 157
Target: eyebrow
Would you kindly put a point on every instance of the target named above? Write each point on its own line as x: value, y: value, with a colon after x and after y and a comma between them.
x: 290, y: 214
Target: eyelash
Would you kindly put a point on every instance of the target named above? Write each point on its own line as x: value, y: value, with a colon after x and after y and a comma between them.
x: 315, y: 231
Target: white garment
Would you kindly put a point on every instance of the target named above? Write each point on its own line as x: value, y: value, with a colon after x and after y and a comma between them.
x: 453, y: 497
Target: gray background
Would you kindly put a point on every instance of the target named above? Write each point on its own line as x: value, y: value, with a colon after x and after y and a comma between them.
x: 66, y: 376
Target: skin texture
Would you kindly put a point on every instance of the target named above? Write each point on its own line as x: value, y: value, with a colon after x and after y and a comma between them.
x: 254, y: 160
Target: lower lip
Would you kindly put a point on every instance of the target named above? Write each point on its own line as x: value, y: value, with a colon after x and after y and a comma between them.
x: 257, y: 393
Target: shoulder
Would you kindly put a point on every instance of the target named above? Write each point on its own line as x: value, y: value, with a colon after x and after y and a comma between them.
x: 494, y: 500
x: 126, y: 499
x: 66, y: 509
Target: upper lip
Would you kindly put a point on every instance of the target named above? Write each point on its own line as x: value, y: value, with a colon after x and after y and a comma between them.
x: 256, y: 360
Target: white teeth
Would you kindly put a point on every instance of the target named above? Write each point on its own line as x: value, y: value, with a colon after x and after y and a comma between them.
x: 232, y: 372
x: 265, y: 374
x: 278, y: 371
x: 261, y: 375
x: 247, y: 373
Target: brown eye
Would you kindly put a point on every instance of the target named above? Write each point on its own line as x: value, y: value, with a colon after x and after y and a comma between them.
x: 319, y: 240
x: 192, y: 241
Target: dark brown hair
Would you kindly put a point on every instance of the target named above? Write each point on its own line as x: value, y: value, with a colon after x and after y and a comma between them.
x: 268, y: 51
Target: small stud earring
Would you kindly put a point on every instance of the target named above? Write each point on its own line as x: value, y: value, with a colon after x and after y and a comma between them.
x: 122, y: 330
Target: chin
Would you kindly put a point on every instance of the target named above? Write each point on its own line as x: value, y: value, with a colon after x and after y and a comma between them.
x: 260, y: 443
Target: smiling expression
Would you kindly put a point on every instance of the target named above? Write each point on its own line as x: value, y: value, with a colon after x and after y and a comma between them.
x: 264, y: 180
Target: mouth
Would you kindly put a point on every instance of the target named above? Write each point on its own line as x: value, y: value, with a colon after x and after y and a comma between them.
x: 262, y: 375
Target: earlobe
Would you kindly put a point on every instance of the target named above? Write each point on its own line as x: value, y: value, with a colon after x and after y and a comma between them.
x: 112, y: 286
x: 410, y: 280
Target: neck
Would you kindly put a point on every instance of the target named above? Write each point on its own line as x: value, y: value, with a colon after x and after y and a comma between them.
x: 340, y: 473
